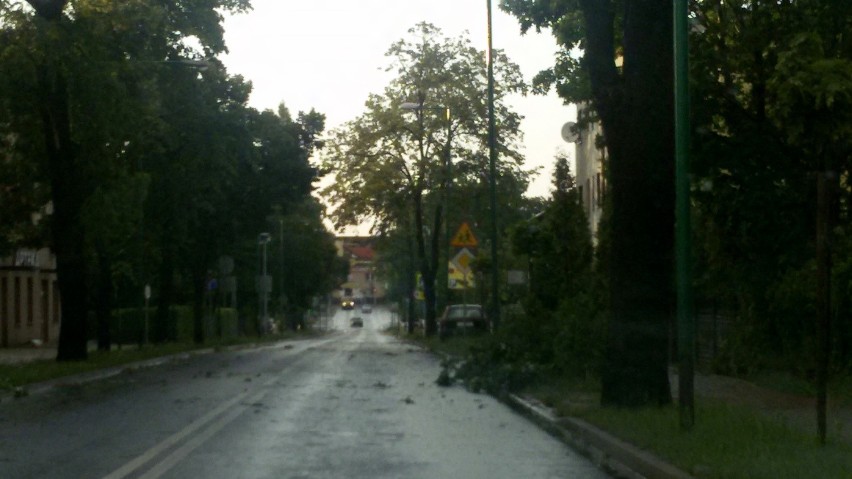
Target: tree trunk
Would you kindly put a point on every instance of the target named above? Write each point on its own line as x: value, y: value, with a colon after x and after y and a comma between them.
x: 68, y: 243
x: 428, y: 262
x: 162, y: 327
x: 826, y: 184
x: 104, y: 297
x: 636, y: 111
x: 199, y: 284
x: 69, y: 188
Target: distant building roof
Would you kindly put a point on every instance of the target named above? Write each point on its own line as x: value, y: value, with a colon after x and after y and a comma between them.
x: 364, y: 253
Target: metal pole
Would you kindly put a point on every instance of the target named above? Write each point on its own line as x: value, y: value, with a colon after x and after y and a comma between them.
x: 685, y: 320
x: 492, y: 164
x: 825, y: 191
x: 265, y: 286
x: 147, y: 294
x: 449, y: 170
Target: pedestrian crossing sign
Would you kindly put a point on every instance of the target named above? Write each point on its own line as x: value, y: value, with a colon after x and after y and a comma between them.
x: 464, y: 237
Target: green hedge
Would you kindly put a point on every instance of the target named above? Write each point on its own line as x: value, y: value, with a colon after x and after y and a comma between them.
x: 127, y: 326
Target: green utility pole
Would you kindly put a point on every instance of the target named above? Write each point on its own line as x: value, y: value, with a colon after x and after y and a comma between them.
x: 492, y: 163
x: 685, y: 321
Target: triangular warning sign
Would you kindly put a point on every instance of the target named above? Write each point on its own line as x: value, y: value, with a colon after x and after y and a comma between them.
x: 464, y: 237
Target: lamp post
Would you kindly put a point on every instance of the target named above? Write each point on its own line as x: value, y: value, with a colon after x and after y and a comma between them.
x: 264, y: 284
x: 492, y: 166
x: 448, y: 179
x: 685, y: 321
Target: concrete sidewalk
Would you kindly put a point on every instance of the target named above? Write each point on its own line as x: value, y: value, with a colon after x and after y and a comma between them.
x: 26, y: 355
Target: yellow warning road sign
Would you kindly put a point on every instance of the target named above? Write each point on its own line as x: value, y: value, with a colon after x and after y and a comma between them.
x: 464, y: 237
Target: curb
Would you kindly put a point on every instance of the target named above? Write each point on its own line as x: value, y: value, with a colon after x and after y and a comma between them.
x: 101, y: 374
x: 617, y: 457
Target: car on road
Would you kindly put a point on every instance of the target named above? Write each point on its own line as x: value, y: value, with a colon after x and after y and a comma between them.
x: 462, y: 318
x: 347, y: 303
x: 356, y: 322
x: 366, y: 308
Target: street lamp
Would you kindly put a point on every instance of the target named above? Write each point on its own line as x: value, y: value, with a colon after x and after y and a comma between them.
x: 492, y: 165
x: 264, y: 283
x: 448, y: 172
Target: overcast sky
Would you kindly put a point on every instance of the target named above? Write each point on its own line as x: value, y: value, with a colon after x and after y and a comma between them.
x: 329, y: 55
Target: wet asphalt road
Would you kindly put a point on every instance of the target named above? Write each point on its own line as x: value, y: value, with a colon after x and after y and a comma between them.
x: 353, y: 404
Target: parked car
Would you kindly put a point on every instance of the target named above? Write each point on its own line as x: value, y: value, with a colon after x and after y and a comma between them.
x: 462, y: 318
x: 357, y: 322
x: 347, y: 303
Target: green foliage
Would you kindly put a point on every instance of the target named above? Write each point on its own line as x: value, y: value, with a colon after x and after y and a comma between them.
x: 171, y: 168
x: 127, y: 325
x: 565, y: 20
x: 579, y: 343
x: 303, y: 259
x: 771, y: 105
x: 399, y: 166
x: 489, y: 367
x: 559, y: 327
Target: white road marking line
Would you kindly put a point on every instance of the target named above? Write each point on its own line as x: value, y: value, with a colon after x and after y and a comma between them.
x: 201, y: 422
x: 151, y: 453
x: 180, y: 454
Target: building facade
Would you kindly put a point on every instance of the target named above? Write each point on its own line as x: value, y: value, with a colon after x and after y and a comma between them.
x: 29, y: 298
x: 591, y: 179
x: 362, y: 283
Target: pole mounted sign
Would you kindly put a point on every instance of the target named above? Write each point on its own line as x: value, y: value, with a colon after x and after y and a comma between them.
x: 460, y: 275
x: 464, y: 237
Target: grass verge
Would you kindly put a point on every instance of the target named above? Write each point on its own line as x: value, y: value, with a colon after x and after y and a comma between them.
x: 728, y: 441
x: 14, y: 376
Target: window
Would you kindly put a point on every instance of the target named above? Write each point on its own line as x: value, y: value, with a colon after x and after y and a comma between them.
x: 4, y: 300
x: 55, y: 302
x: 16, y: 294
x: 45, y: 301
x: 600, y: 190
x: 30, y: 306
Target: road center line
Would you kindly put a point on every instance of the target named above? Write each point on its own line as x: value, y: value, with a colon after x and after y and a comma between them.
x: 151, y: 453
x: 199, y: 423
x: 179, y: 454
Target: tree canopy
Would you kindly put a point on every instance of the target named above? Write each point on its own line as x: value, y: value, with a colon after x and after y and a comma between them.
x: 119, y: 114
x: 396, y: 165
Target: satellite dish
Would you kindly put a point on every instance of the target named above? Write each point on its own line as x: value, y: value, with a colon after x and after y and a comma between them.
x: 568, y: 133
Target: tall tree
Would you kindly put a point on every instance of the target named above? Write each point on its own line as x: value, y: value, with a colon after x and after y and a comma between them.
x: 391, y: 164
x: 557, y: 242
x: 626, y: 70
x: 64, y: 102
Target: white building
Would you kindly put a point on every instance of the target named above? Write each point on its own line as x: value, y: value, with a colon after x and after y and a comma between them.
x: 589, y: 174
